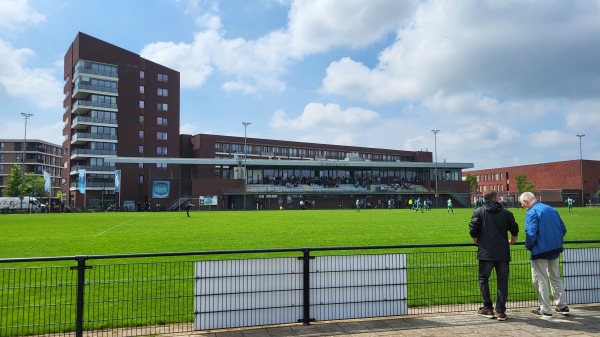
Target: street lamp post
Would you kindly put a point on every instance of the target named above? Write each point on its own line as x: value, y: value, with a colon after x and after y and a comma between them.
x: 245, y: 124
x: 26, y: 116
x: 581, y: 169
x: 435, y: 132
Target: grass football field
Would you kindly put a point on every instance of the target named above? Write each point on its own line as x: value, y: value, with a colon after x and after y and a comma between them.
x: 448, y: 278
x: 67, y: 234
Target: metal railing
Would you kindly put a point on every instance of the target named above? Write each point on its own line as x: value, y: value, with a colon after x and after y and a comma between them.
x: 143, y: 294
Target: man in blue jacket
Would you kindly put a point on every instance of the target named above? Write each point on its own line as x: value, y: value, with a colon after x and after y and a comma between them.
x: 544, y: 231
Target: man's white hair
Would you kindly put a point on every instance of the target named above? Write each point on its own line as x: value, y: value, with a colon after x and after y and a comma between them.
x: 527, y: 196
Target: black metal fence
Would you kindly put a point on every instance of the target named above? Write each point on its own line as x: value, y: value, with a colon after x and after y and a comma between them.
x: 142, y: 294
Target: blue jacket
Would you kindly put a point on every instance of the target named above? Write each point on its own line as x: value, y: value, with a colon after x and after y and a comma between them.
x: 544, y: 231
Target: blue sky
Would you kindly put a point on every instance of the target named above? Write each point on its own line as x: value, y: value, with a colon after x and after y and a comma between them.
x: 506, y: 82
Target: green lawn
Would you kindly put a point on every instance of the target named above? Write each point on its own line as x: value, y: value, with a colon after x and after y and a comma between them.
x: 159, y: 290
x: 42, y: 235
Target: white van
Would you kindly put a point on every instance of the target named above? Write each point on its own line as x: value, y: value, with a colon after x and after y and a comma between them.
x: 12, y: 204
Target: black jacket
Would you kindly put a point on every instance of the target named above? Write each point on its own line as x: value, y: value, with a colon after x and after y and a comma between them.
x: 490, y: 224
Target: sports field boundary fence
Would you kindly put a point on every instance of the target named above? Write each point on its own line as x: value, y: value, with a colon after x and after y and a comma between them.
x: 160, y: 293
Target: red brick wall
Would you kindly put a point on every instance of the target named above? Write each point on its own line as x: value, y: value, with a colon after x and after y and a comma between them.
x: 546, y: 176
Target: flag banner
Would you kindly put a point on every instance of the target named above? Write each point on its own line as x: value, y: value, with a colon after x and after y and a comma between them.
x: 161, y: 189
x: 47, y: 181
x: 81, y: 181
x: 117, y: 181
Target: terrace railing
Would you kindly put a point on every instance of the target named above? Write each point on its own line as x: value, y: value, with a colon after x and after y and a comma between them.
x: 143, y: 294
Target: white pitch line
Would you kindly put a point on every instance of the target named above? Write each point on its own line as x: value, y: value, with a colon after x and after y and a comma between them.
x: 121, y: 224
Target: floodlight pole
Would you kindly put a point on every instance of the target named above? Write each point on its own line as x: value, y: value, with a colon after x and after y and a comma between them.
x: 435, y: 132
x: 26, y: 116
x: 581, y: 169
x: 245, y: 124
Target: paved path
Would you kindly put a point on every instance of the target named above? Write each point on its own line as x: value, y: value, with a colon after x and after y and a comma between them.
x: 583, y: 321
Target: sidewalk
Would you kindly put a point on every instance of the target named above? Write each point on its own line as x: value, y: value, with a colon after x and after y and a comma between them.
x: 583, y: 321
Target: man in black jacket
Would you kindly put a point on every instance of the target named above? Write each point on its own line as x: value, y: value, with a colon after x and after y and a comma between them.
x: 489, y: 228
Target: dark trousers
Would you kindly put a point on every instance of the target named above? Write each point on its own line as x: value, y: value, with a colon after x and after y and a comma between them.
x: 485, y: 270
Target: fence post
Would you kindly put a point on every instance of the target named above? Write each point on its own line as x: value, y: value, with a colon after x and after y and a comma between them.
x: 306, y: 286
x: 81, y: 267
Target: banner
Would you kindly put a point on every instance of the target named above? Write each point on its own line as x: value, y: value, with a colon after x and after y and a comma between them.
x: 81, y: 181
x: 47, y: 181
x: 117, y: 181
x: 210, y: 200
x: 161, y: 189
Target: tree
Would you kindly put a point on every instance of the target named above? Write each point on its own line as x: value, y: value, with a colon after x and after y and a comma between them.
x: 472, y: 182
x: 13, y: 183
x: 34, y: 185
x: 523, y: 185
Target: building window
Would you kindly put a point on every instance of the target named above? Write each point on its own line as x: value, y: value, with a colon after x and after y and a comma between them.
x: 141, y: 165
x: 141, y: 104
x: 162, y: 92
x: 236, y: 148
x: 161, y: 121
x: 161, y: 165
x: 161, y: 135
x: 140, y: 179
x: 163, y: 78
x: 141, y: 89
x: 162, y: 107
x: 141, y: 119
x: 141, y: 149
x: 142, y: 75
x: 141, y: 134
x: 161, y: 150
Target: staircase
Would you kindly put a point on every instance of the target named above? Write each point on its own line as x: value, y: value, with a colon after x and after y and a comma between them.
x: 175, y: 205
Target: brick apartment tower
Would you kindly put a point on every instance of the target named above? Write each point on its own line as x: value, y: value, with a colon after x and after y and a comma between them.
x: 117, y: 104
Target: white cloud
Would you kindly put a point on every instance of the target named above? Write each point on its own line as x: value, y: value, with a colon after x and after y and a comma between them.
x: 317, y: 25
x: 14, y: 14
x: 36, y: 84
x: 189, y: 129
x: 547, y: 138
x: 194, y: 67
x: 325, y: 116
x: 239, y: 86
x: 494, y: 49
x: 313, y: 27
x: 37, y: 128
x: 583, y: 115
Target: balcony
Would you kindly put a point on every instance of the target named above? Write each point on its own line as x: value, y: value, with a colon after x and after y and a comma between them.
x: 83, y: 90
x: 82, y: 122
x: 84, y: 137
x: 79, y: 71
x: 93, y: 169
x: 81, y: 106
x: 94, y: 185
x: 86, y: 153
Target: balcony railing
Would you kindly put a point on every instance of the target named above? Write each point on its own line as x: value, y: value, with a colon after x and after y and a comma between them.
x: 89, y: 152
x: 82, y: 70
x: 78, y: 136
x: 94, y: 185
x: 90, y: 168
x: 95, y: 88
x: 86, y: 105
x: 91, y: 120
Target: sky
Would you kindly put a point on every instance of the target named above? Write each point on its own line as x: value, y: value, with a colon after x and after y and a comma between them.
x: 506, y: 82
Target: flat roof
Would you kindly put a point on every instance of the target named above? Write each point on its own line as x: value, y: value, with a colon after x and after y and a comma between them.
x: 287, y: 162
